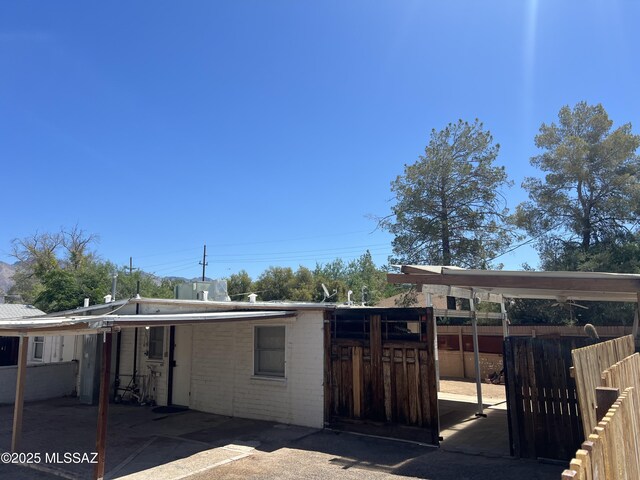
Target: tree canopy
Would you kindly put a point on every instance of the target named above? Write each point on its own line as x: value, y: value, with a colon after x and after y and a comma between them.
x: 449, y: 209
x: 590, y: 193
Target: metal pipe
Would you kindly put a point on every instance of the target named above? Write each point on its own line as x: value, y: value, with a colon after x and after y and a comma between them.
x: 476, y: 355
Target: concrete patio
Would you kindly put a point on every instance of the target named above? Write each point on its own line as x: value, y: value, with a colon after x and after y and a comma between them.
x: 142, y: 444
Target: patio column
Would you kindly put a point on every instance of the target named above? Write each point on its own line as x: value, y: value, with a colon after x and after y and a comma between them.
x: 16, y: 435
x: 103, y: 406
x: 476, y: 353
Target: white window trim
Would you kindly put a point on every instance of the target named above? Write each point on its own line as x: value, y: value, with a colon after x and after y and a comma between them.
x: 269, y: 378
x: 164, y: 346
x: 33, y: 349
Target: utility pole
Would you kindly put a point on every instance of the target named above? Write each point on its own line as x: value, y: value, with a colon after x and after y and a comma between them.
x: 204, y: 262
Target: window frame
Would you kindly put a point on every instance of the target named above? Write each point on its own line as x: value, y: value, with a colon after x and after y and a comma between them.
x: 34, y: 349
x: 155, y: 356
x: 264, y: 375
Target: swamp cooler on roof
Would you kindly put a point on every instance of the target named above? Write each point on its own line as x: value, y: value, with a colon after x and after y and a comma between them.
x: 216, y: 291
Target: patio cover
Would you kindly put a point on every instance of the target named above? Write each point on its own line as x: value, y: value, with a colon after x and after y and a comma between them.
x: 82, y: 325
x: 561, y: 286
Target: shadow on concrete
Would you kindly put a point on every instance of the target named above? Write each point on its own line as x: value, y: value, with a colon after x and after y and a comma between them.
x: 142, y: 444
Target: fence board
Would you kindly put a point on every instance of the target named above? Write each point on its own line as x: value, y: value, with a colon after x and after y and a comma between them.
x: 543, y: 415
x: 612, y: 451
x: 589, y: 363
x: 377, y: 380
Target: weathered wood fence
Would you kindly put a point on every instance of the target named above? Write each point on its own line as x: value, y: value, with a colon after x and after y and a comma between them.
x: 612, y: 449
x: 542, y: 402
x: 589, y: 363
x: 381, y: 379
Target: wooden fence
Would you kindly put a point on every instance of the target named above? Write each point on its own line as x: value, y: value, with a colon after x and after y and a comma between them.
x: 612, y: 451
x: 541, y: 397
x: 589, y: 363
x: 382, y: 381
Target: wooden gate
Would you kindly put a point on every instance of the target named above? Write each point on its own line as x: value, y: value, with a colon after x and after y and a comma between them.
x: 380, y: 369
x: 544, y: 419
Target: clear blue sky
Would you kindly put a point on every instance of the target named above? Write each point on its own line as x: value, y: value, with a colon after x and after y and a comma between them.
x: 271, y: 129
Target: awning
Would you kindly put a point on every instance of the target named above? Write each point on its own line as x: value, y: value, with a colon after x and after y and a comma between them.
x: 561, y: 286
x: 81, y: 325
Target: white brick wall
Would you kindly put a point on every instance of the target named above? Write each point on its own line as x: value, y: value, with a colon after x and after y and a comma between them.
x: 222, y: 378
x: 159, y: 392
x: 222, y: 372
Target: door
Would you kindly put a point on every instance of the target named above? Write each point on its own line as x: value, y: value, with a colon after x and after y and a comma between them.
x: 181, y: 388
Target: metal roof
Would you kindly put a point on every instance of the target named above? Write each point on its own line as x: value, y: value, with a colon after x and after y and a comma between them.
x: 83, y: 324
x: 13, y: 310
x: 562, y: 286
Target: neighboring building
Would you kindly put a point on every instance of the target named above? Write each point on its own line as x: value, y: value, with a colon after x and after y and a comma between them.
x: 263, y: 360
x: 42, y: 349
x: 51, y: 367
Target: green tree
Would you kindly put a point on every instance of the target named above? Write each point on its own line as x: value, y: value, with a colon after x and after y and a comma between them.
x: 448, y: 206
x: 239, y: 285
x: 275, y: 283
x: 591, y: 190
x: 334, y: 277
x: 60, y: 291
x: 367, y: 281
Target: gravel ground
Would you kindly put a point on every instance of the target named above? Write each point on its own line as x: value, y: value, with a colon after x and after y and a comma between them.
x: 468, y: 387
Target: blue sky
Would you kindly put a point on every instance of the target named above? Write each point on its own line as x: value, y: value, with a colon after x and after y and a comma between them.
x: 271, y: 130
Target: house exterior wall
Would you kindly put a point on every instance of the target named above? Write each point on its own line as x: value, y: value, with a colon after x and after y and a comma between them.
x: 158, y: 385
x: 222, y: 379
x: 44, y: 381
x: 56, y: 349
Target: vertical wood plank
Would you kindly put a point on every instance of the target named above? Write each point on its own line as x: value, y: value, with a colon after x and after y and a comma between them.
x: 103, y: 407
x: 357, y: 381
x: 387, y: 385
x: 512, y: 406
x: 377, y: 386
x: 18, y: 406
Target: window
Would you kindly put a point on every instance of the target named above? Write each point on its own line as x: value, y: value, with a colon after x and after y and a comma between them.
x: 156, y: 343
x: 38, y: 348
x: 269, y: 351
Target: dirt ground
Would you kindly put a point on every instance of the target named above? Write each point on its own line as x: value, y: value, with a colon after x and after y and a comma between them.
x: 468, y: 387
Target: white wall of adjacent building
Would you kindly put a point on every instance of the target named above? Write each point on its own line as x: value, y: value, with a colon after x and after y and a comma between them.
x: 223, y: 380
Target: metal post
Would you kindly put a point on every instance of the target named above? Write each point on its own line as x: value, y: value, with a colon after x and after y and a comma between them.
x: 505, y: 319
x: 476, y: 354
x: 16, y: 435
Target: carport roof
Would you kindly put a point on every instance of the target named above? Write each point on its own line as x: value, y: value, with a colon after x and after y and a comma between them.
x: 83, y: 324
x: 562, y: 286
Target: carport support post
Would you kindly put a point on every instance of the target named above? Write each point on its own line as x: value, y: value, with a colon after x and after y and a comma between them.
x: 476, y: 353
x: 505, y: 320
x: 103, y: 406
x: 19, y: 401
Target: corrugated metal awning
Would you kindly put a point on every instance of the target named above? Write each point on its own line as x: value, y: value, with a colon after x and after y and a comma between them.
x: 81, y: 325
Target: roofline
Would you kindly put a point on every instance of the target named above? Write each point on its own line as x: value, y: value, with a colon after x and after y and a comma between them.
x: 83, y: 324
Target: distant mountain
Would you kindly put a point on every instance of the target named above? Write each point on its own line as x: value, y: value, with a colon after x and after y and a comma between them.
x: 6, y: 276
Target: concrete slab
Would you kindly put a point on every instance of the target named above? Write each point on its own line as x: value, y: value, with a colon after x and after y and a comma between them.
x: 192, y: 445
